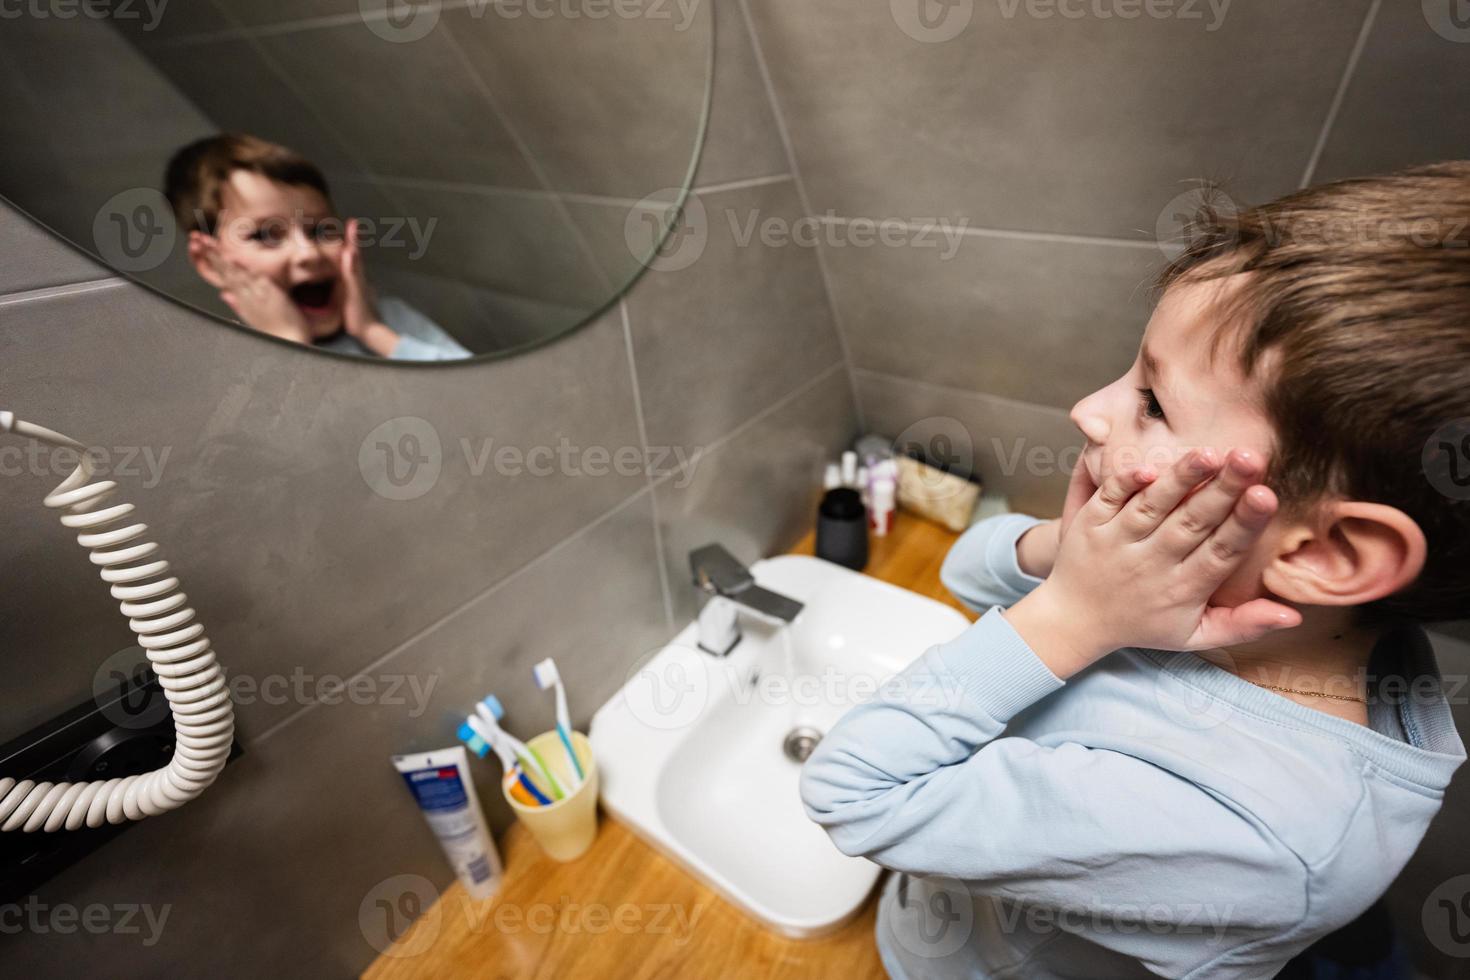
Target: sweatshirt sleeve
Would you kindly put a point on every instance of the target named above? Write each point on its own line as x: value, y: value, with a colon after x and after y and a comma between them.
x: 419, y: 338
x: 981, y: 568
x: 920, y: 780
x: 413, y: 349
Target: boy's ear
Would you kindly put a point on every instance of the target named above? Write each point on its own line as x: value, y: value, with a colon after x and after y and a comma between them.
x: 199, y: 244
x: 1352, y: 553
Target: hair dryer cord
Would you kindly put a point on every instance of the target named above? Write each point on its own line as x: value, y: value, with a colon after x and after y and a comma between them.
x: 175, y: 644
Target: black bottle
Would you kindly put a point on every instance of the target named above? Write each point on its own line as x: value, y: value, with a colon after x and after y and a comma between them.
x: 842, y: 528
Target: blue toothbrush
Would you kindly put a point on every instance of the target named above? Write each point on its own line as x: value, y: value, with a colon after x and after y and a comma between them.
x: 547, y: 676
x: 489, y: 712
x: 480, y: 740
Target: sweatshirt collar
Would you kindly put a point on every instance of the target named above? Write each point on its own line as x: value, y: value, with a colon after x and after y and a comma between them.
x: 1403, y: 670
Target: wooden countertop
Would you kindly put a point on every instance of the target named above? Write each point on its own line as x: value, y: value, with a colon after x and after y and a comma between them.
x: 624, y: 910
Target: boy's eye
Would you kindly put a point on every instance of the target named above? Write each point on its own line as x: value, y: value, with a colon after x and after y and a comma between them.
x: 1149, y: 404
x: 327, y: 231
x: 268, y: 236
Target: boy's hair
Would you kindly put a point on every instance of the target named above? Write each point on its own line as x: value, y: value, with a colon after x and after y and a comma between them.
x: 1360, y: 290
x: 197, y: 174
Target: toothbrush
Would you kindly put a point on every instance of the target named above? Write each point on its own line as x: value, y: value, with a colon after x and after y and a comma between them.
x: 546, y: 676
x: 524, y: 790
x: 516, y: 790
x: 520, y: 788
x: 490, y: 712
x: 480, y: 740
x: 479, y: 745
x: 501, y: 741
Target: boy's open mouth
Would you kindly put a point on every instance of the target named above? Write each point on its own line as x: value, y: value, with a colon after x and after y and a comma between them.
x: 314, y: 296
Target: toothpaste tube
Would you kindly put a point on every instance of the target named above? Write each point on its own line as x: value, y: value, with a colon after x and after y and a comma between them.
x: 440, y: 783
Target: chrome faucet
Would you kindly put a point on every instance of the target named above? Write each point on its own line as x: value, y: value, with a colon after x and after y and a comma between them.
x: 728, y: 582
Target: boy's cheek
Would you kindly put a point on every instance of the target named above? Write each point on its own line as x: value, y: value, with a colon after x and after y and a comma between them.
x: 1244, y: 584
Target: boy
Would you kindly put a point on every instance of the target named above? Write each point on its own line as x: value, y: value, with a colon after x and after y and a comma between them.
x: 262, y: 230
x: 1178, y: 742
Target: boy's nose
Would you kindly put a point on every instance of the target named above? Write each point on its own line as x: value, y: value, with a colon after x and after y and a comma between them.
x: 1088, y: 416
x: 306, y: 249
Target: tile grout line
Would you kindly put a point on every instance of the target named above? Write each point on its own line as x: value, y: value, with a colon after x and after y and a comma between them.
x: 485, y: 190
x: 739, y: 430
x: 972, y: 231
x: 760, y: 416
x: 473, y: 600
x: 740, y: 185
x: 963, y: 392
x: 524, y: 149
x: 544, y: 556
x: 239, y: 32
x: 58, y: 291
x: 805, y: 202
x: 491, y: 190
x: 288, y: 80
x: 1340, y: 95
x: 658, y: 538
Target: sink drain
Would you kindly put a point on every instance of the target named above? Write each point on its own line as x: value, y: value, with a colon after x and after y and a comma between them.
x: 800, y: 742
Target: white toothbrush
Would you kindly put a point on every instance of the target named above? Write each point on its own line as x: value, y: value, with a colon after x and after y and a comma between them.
x: 494, y: 738
x: 488, y: 736
x: 490, y: 712
x: 546, y: 676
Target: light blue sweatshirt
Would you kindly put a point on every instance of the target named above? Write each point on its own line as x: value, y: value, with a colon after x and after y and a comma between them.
x: 419, y: 338
x: 1155, y: 815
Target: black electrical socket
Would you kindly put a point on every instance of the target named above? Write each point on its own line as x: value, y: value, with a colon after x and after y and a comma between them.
x: 124, y: 730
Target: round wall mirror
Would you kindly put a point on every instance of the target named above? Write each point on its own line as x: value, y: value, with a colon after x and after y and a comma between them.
x: 409, y: 182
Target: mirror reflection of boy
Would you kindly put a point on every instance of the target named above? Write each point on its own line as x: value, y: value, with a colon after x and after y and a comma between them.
x: 263, y: 231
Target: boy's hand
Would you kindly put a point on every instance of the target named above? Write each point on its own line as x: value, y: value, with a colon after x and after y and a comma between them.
x: 359, y: 316
x: 256, y: 300
x: 1139, y: 563
x: 1036, y: 548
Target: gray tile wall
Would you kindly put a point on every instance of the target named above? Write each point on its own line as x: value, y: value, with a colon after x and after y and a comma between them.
x: 1025, y: 162
x: 1057, y: 143
x: 726, y: 374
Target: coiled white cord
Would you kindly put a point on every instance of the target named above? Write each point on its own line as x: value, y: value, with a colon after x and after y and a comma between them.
x: 158, y: 613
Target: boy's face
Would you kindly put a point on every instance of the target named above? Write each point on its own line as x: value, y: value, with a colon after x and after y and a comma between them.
x: 1186, y: 404
x: 290, y: 235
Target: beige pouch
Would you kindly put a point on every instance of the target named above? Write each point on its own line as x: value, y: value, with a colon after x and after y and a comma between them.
x: 941, y: 497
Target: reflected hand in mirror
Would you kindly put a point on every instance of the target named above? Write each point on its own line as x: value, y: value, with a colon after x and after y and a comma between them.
x: 256, y: 299
x: 263, y: 231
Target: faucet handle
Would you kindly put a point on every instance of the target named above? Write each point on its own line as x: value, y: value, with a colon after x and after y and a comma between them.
x: 716, y: 570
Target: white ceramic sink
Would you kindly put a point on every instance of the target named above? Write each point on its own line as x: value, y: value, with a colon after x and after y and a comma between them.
x: 691, y: 750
